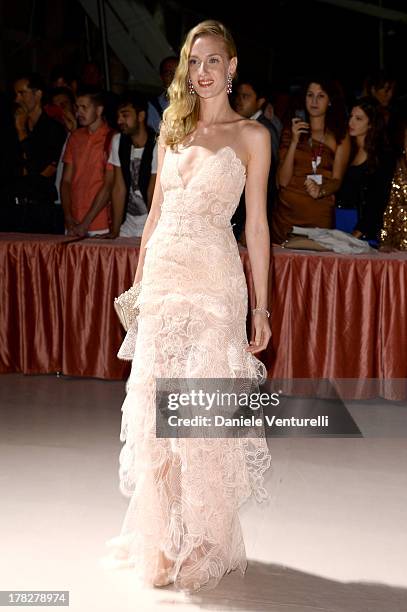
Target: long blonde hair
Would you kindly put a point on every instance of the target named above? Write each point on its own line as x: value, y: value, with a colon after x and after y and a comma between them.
x: 181, y: 115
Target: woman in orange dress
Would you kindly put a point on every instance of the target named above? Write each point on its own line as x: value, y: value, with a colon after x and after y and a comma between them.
x: 314, y: 155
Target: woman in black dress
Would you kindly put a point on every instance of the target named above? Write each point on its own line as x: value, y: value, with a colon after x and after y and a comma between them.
x: 361, y: 201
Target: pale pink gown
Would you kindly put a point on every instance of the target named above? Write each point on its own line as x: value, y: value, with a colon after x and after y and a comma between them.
x: 185, y: 493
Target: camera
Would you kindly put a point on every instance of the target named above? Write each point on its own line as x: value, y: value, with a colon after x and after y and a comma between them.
x: 300, y: 114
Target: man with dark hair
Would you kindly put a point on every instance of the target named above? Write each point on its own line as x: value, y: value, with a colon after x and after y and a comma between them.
x: 62, y: 76
x: 40, y: 141
x: 249, y: 101
x: 87, y: 178
x: 134, y: 159
x: 157, y: 106
x: 63, y: 100
x: 381, y: 85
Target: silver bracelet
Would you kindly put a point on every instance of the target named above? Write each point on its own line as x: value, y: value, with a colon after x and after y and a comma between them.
x: 261, y: 310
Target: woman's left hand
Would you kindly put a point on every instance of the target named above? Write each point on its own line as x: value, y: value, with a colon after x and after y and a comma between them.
x: 313, y: 189
x: 261, y: 333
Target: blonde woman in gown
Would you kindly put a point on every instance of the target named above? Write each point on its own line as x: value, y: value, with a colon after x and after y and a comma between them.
x: 182, y: 523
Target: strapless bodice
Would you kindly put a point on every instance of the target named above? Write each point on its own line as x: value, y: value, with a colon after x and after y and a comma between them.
x: 212, y: 193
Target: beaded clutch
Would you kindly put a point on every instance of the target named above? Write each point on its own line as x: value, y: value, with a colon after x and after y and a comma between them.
x: 126, y: 306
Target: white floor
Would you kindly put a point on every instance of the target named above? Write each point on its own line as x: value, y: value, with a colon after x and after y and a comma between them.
x: 333, y: 538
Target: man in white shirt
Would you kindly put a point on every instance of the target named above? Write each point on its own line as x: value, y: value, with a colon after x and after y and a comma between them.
x: 134, y: 159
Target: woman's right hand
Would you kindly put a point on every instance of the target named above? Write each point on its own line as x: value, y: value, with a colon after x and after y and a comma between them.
x: 298, y: 127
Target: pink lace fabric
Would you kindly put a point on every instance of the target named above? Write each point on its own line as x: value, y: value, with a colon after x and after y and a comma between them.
x: 185, y: 493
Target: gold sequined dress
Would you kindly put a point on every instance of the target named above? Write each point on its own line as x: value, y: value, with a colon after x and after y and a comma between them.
x: 394, y: 231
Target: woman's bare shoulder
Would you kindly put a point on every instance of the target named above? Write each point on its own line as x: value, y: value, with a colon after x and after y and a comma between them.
x: 254, y: 136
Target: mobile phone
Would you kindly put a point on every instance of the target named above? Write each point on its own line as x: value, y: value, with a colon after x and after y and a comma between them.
x: 300, y: 114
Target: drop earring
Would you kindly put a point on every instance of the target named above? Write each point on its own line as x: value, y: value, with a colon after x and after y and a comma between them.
x: 229, y: 84
x: 191, y: 87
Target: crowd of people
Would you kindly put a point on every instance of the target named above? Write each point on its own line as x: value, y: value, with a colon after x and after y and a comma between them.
x: 83, y: 162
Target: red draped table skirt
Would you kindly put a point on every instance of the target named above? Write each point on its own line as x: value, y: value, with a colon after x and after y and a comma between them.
x: 334, y: 316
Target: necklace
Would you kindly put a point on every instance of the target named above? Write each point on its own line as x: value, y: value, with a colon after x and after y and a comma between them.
x: 316, y: 154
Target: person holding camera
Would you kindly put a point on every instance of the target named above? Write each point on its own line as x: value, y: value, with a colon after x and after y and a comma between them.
x: 314, y: 155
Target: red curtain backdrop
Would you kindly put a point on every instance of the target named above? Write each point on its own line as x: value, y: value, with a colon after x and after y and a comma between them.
x: 334, y: 316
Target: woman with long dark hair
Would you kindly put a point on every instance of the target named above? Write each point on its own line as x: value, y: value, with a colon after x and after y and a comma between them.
x: 365, y: 187
x: 314, y: 153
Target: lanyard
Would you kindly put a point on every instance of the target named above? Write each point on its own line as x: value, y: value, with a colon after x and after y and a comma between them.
x: 316, y: 155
